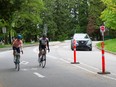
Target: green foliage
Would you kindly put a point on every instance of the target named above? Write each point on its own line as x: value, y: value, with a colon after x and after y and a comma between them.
x: 109, y: 14
x: 110, y: 45
x: 21, y: 16
x: 95, y: 7
x: 63, y: 18
x: 67, y: 17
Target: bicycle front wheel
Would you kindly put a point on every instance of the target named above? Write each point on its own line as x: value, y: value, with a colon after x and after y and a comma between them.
x: 43, y: 61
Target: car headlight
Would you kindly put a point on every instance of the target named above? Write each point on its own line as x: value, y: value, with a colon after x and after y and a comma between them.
x: 89, y: 42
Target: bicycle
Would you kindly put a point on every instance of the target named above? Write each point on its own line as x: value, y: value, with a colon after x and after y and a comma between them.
x: 42, y: 58
x: 17, y: 60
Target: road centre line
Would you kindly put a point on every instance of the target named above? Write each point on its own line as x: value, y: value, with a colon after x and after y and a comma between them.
x: 39, y: 75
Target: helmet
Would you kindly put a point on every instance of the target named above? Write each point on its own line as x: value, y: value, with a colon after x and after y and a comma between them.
x: 19, y: 37
x: 44, y: 35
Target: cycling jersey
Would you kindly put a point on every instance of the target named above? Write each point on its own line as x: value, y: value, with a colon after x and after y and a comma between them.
x: 43, y: 42
x: 17, y: 43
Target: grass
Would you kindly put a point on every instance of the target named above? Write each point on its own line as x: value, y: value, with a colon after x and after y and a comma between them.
x: 110, y: 45
x: 4, y: 46
x: 9, y: 45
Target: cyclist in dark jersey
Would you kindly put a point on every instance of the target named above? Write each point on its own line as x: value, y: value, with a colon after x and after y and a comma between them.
x: 43, y: 44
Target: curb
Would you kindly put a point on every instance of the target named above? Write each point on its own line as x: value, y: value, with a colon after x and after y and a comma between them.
x: 106, y: 50
x: 29, y: 45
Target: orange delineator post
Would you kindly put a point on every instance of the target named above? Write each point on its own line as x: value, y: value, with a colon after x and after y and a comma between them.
x: 74, y: 48
x: 103, y: 60
x: 74, y: 51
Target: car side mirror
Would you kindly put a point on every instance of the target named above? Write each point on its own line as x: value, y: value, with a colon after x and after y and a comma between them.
x: 91, y: 38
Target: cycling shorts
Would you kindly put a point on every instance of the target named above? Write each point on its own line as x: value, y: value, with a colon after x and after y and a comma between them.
x: 42, y: 47
x: 17, y: 49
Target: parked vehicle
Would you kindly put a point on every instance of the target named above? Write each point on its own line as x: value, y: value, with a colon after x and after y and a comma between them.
x: 83, y: 41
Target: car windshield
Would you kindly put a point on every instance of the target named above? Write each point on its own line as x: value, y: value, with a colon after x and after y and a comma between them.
x: 80, y: 36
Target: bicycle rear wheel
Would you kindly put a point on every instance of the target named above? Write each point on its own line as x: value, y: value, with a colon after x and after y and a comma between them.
x: 15, y: 66
x: 39, y: 60
x: 43, y: 61
x: 17, y: 63
x: 18, y: 66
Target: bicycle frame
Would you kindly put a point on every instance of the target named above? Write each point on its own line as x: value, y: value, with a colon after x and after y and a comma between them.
x: 42, y: 58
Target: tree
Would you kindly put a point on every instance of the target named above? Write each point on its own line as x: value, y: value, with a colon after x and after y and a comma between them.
x: 109, y: 14
x: 95, y: 7
x: 67, y: 17
x: 26, y: 19
x: 19, y: 15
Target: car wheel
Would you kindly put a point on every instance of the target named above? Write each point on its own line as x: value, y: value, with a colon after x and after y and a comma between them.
x: 72, y: 48
x: 90, y: 49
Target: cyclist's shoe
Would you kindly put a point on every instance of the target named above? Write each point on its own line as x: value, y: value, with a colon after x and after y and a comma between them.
x: 41, y: 60
x: 15, y: 62
x: 40, y: 64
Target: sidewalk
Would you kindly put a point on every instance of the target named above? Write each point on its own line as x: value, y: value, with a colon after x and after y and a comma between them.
x: 29, y: 45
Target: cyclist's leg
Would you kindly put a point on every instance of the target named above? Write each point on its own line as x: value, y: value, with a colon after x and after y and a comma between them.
x: 45, y: 50
x: 17, y: 50
x: 40, y: 51
x: 44, y: 53
x: 14, y: 49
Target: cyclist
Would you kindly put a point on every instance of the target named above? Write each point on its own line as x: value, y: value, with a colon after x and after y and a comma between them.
x: 17, y: 44
x: 43, y: 44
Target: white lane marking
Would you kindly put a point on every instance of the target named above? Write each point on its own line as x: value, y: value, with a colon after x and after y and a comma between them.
x: 64, y: 60
x: 24, y: 69
x: 90, y: 66
x: 85, y: 68
x: 34, y: 68
x: 39, y: 75
x: 24, y: 62
x: 29, y: 69
x: 35, y: 50
x: 109, y: 77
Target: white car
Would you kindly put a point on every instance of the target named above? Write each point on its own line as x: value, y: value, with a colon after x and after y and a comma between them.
x: 83, y: 41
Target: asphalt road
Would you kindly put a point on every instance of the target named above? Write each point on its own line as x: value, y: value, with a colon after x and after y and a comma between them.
x: 59, y: 72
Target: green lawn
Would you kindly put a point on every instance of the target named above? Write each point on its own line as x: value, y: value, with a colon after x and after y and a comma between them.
x: 9, y: 45
x: 110, y: 45
x: 3, y: 46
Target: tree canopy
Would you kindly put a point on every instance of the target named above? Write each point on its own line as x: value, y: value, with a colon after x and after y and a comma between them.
x: 109, y: 14
x: 59, y: 19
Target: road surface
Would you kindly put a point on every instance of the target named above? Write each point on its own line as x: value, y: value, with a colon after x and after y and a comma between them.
x: 59, y: 72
